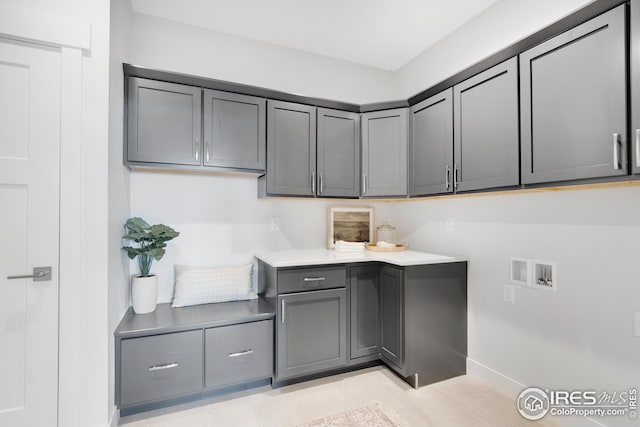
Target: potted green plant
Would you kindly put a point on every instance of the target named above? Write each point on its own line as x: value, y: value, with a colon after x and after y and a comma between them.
x: 150, y: 242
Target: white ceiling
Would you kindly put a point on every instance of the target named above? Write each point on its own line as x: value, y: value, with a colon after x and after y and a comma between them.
x: 384, y: 34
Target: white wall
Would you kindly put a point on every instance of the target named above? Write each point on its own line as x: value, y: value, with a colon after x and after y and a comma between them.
x: 580, y: 337
x: 499, y: 26
x: 119, y: 185
x: 221, y: 221
x: 162, y: 44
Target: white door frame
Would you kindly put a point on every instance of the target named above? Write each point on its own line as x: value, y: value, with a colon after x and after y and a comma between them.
x: 73, y: 37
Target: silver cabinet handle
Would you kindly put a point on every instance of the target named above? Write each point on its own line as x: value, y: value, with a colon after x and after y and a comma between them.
x: 206, y: 148
x: 455, y: 177
x: 616, y: 154
x: 313, y: 183
x: 364, y: 184
x: 321, y: 183
x: 163, y: 367
x: 447, y: 177
x: 638, y: 148
x: 196, y: 147
x: 40, y: 274
x: 282, y: 311
x: 313, y: 279
x: 241, y: 353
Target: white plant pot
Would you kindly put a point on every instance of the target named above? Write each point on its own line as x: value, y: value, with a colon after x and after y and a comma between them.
x: 144, y: 294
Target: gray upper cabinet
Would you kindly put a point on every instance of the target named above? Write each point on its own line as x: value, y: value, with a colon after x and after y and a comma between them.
x: 431, y: 145
x: 234, y: 130
x: 635, y: 85
x: 384, y: 153
x: 486, y: 129
x: 291, y: 149
x: 163, y: 122
x: 338, y: 153
x: 573, y: 103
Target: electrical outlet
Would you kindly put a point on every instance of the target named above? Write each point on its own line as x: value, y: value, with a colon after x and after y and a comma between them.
x: 450, y: 224
x: 510, y: 293
x: 275, y: 224
x: 636, y: 323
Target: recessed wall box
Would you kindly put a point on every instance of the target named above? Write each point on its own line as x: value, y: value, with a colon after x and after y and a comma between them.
x: 545, y: 275
x: 520, y: 271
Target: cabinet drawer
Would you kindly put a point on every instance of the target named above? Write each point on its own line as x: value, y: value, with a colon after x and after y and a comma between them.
x: 160, y: 366
x: 238, y: 353
x: 304, y: 279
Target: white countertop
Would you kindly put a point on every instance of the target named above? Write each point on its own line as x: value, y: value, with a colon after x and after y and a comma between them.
x: 296, y: 258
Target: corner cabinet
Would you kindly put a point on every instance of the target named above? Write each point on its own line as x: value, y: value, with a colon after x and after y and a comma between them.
x: 384, y: 153
x: 291, y: 149
x: 573, y: 103
x: 338, y: 153
x: 486, y: 135
x: 364, y: 293
x: 431, y: 145
x: 163, y: 122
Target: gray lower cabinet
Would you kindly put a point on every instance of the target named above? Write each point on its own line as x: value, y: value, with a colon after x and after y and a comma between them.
x: 423, y: 311
x: 160, y: 366
x: 234, y: 130
x: 291, y: 149
x: 486, y: 135
x: 573, y: 103
x: 163, y: 122
x: 392, y: 315
x: 364, y: 316
x: 312, y: 332
x: 431, y: 145
x: 635, y: 85
x: 384, y: 153
x: 338, y: 155
x: 238, y: 353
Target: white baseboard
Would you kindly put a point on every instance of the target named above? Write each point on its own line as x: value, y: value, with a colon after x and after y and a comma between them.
x: 115, y: 417
x: 512, y: 388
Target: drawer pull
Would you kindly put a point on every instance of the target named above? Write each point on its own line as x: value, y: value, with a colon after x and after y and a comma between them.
x: 241, y: 353
x: 313, y: 279
x: 162, y: 367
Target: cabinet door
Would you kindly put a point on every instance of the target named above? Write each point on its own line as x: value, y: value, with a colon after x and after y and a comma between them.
x: 234, y: 130
x: 163, y: 122
x: 338, y: 153
x: 431, y: 145
x: 311, y: 332
x: 486, y: 129
x: 291, y: 149
x: 392, y: 316
x: 573, y: 103
x: 365, y: 311
x: 635, y: 84
x: 384, y: 153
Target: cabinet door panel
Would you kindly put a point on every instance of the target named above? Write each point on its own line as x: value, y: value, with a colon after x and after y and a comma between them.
x: 573, y: 101
x: 384, y: 153
x: 392, y: 316
x: 234, y: 130
x: 311, y: 332
x: 486, y: 129
x: 635, y: 85
x: 163, y: 122
x: 365, y: 311
x: 338, y: 153
x: 291, y: 148
x: 431, y: 145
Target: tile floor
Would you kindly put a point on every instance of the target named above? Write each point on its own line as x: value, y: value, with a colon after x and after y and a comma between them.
x: 459, y: 402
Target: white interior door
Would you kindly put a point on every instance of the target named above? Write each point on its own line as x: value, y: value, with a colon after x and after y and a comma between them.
x: 29, y: 232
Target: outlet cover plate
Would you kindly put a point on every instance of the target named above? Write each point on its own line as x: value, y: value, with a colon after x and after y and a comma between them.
x: 510, y: 293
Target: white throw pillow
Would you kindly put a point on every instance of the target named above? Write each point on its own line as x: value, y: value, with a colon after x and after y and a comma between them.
x: 204, y: 285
